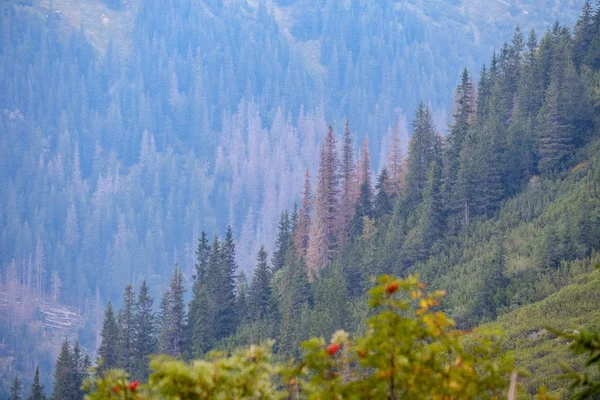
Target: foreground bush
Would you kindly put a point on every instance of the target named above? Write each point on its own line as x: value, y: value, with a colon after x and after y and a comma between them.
x: 411, y: 350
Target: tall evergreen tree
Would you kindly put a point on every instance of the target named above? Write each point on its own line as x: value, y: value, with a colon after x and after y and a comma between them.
x: 65, y: 375
x: 293, y: 294
x: 348, y: 182
x: 81, y: 366
x: 126, y: 322
x: 584, y: 34
x: 592, y: 58
x: 363, y: 208
x: 283, y: 242
x: 555, y: 143
x: 37, y: 390
x: 16, y: 389
x: 226, y: 300
x: 420, y: 156
x: 463, y: 119
x: 430, y: 223
x: 202, y: 256
x: 395, y: 165
x: 383, y: 204
x: 260, y: 290
x: 108, y: 352
x: 197, y: 312
x: 364, y: 166
x: 303, y: 222
x: 323, y: 236
x: 145, y: 342
x: 173, y: 330
x: 242, y: 301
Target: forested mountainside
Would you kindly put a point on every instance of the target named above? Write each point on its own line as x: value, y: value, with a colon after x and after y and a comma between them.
x: 127, y: 137
x: 503, y: 214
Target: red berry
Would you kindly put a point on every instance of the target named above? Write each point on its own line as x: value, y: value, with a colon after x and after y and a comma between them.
x: 117, y: 389
x: 133, y: 385
x: 391, y: 287
x: 333, y: 348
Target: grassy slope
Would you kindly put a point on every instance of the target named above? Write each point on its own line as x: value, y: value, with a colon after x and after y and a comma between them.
x: 537, y: 350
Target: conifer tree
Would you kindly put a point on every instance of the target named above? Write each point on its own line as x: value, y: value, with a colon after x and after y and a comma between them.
x: 363, y: 208
x: 395, y: 166
x: 521, y: 139
x: 209, y: 329
x: 226, y: 289
x: 282, y: 242
x: 331, y: 301
x: 430, y: 225
x: 173, y: 330
x: 364, y: 166
x: 37, y: 390
x: 201, y: 330
x: 163, y: 339
x: 202, y: 255
x: 431, y: 213
x: 242, y: 306
x: 420, y: 156
x: 64, y: 374
x: 583, y: 34
x: 108, y: 352
x: 81, y: 366
x: 145, y: 342
x: 383, y: 204
x: 293, y: 294
x: 323, y: 239
x: 302, y: 225
x: 260, y: 290
x: 126, y: 322
x: 348, y: 183
x: 463, y: 119
x: 555, y: 143
x: 16, y: 389
x: 198, y: 307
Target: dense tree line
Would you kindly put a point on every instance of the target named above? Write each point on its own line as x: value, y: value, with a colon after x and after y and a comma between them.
x: 532, y: 110
x: 502, y: 142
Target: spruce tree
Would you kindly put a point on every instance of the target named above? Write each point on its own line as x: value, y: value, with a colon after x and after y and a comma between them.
x: 555, y: 143
x: 201, y: 337
x: 293, y: 294
x: 165, y: 322
x: 282, y: 242
x: 583, y: 34
x: 383, y: 204
x: 145, y: 342
x: 260, y: 290
x: 226, y: 289
x: 323, y: 238
x: 395, y: 166
x: 81, y: 366
x: 430, y: 225
x: 463, y: 119
x: 126, y: 322
x: 363, y: 208
x: 173, y: 330
x: 302, y: 225
x: 65, y: 379
x: 202, y: 255
x: 108, y: 352
x: 16, y: 389
x: 37, y: 390
x: 420, y: 156
x: 242, y: 306
x: 348, y: 183
x: 198, y: 305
